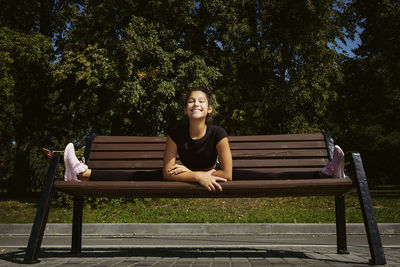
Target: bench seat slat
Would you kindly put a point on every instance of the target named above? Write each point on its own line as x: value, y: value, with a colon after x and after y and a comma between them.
x: 281, y: 169
x: 132, y: 164
x: 279, y: 153
x: 269, y: 170
x: 279, y: 145
x: 279, y: 137
x: 161, y: 139
x: 97, y: 155
x: 128, y: 147
x: 125, y: 164
x: 130, y: 139
x: 134, y: 155
x: 279, y: 162
x: 172, y: 189
x: 234, y: 146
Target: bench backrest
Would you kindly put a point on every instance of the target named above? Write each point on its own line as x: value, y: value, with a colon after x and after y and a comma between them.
x: 273, y: 153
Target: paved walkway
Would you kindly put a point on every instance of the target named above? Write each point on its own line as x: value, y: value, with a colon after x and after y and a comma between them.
x: 235, y: 249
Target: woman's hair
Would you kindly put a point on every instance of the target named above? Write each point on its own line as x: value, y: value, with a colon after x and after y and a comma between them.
x: 207, y: 91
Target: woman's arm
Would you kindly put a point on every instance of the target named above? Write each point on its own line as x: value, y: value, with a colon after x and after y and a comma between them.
x: 169, y: 164
x: 204, y: 178
x: 225, y: 160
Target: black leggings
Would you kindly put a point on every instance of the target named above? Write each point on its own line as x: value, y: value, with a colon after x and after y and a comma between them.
x: 157, y: 175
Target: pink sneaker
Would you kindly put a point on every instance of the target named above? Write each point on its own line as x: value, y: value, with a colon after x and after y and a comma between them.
x: 73, y: 167
x: 335, y: 168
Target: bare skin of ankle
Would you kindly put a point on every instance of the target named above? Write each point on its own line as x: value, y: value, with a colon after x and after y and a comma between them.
x: 85, y: 176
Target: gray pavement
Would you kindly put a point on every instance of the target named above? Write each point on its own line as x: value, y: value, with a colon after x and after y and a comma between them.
x: 209, y: 245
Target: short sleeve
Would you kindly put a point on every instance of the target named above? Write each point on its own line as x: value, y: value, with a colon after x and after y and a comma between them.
x: 220, y: 133
x: 174, y: 135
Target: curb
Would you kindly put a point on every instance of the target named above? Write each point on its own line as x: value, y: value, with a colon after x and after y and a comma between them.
x: 138, y: 229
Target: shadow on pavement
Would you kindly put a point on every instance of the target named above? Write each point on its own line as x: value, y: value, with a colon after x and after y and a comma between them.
x: 18, y: 255
x: 170, y: 252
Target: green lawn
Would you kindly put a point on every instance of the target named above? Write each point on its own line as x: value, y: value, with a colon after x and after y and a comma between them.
x: 258, y: 210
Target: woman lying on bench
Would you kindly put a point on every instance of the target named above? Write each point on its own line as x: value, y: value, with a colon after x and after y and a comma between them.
x: 203, y: 150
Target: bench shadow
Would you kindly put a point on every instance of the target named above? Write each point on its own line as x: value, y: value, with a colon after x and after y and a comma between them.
x: 169, y: 252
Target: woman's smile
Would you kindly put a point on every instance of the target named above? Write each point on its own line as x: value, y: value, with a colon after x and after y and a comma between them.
x: 196, y: 109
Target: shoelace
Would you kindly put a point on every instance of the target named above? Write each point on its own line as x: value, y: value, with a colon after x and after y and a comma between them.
x: 81, y: 161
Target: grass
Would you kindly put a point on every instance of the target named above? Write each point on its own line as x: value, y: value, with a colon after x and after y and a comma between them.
x: 248, y: 210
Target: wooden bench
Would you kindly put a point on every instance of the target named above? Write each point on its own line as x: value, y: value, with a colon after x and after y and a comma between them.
x: 273, y: 153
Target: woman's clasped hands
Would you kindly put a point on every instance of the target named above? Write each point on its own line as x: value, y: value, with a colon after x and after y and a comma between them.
x: 177, y: 169
x: 204, y: 178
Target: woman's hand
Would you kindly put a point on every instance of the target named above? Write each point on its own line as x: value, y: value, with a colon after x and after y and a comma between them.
x: 209, y: 181
x: 177, y: 169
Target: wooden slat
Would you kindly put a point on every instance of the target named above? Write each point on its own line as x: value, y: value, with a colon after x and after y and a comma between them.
x: 235, y: 154
x: 96, y: 155
x: 128, y: 170
x: 257, y: 145
x: 128, y: 147
x: 278, y: 145
x: 255, y: 188
x: 279, y: 153
x: 135, y: 144
x: 161, y: 139
x: 126, y: 164
x: 282, y: 169
x: 278, y: 137
x: 279, y: 162
x: 254, y: 163
x: 268, y: 170
x: 129, y: 139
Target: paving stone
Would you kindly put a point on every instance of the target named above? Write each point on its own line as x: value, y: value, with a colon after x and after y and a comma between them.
x: 222, y: 259
x: 281, y: 265
x: 200, y: 260
x: 275, y: 260
x: 202, y: 257
x: 166, y: 262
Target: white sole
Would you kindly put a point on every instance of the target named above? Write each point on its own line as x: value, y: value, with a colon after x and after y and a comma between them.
x: 68, y: 176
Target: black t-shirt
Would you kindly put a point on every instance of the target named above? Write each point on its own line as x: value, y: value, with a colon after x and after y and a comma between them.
x: 198, y: 154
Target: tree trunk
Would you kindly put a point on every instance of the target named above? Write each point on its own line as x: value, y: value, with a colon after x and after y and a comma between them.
x: 45, y: 17
x: 21, y: 181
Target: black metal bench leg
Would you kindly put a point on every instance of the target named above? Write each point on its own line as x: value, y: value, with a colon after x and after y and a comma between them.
x: 341, y: 238
x: 76, y: 246
x: 39, y: 225
x: 371, y: 226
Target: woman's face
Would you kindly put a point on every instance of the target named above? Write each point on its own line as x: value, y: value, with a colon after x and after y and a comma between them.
x: 197, y: 106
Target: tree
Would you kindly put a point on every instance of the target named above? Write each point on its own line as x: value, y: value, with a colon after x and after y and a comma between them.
x: 278, y: 64
x: 368, y: 110
x: 126, y: 73
x: 122, y: 68
x: 27, y: 31
x: 24, y: 65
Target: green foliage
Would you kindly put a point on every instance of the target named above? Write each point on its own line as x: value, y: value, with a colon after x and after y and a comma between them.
x: 367, y: 112
x: 278, y: 70
x: 24, y: 97
x: 133, y: 83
